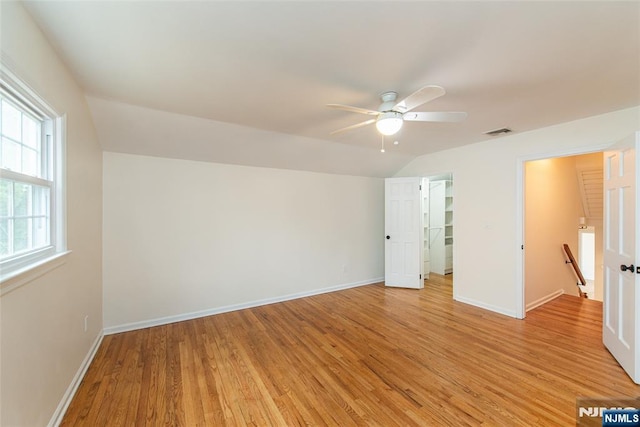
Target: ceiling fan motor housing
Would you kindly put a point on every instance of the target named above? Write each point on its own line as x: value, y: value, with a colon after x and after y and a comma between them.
x: 388, y: 101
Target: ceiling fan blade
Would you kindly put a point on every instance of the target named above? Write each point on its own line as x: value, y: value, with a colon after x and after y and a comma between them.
x: 419, y: 97
x: 423, y: 116
x: 357, y: 125
x: 354, y: 109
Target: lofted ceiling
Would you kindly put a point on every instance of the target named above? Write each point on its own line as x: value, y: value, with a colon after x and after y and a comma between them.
x: 253, y: 77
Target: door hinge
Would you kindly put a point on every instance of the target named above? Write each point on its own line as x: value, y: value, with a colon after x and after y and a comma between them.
x: 421, y: 276
x: 420, y: 187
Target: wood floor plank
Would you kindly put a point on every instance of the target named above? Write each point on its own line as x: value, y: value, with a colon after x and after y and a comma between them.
x: 364, y: 356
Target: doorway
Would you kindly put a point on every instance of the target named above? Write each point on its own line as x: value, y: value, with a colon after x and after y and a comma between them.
x: 438, y: 214
x: 419, y: 230
x: 552, y: 208
x: 560, y: 201
x: 621, y: 242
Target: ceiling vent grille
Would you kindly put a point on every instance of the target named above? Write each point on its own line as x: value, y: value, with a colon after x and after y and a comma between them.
x: 497, y: 132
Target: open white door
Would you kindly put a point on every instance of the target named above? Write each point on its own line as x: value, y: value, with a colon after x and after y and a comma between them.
x: 621, y: 299
x: 403, y: 233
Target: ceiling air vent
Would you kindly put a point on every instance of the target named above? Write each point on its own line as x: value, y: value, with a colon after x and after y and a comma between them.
x: 497, y: 132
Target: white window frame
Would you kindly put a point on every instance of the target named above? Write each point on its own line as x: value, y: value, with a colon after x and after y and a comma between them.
x: 20, y: 269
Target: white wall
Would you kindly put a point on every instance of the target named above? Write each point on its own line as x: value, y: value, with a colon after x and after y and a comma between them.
x: 185, y: 238
x: 43, y: 343
x: 552, y: 208
x: 487, y: 242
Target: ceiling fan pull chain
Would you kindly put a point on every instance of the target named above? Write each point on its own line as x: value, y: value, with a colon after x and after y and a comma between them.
x: 382, y: 149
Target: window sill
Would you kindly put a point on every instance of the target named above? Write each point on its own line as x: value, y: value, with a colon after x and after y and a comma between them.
x: 17, y: 278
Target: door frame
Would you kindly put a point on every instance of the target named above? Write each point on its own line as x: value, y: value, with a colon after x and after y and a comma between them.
x: 520, y: 212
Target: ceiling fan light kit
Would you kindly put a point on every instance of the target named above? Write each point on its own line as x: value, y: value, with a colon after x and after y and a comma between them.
x: 391, y: 114
x: 389, y: 122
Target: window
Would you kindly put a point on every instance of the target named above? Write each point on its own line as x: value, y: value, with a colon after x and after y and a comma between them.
x: 31, y: 196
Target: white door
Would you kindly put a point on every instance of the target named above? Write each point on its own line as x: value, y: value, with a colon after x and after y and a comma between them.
x: 403, y: 233
x: 621, y: 299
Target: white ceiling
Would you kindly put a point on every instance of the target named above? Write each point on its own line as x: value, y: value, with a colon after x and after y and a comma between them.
x: 269, y: 68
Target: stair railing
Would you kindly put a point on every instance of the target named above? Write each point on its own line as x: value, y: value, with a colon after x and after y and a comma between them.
x: 576, y: 268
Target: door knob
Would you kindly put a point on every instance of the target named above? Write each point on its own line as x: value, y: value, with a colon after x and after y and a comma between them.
x: 630, y: 268
x: 388, y: 237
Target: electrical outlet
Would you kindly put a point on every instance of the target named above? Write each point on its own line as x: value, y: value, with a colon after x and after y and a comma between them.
x: 86, y: 323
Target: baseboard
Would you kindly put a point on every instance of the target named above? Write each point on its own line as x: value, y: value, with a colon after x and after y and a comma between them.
x: 225, y: 309
x: 496, y: 309
x: 56, y: 419
x: 544, y: 300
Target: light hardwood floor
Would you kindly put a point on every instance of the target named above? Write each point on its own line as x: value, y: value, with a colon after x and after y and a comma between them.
x: 364, y: 356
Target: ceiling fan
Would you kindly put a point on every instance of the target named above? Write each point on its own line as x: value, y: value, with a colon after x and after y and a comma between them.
x: 391, y: 114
